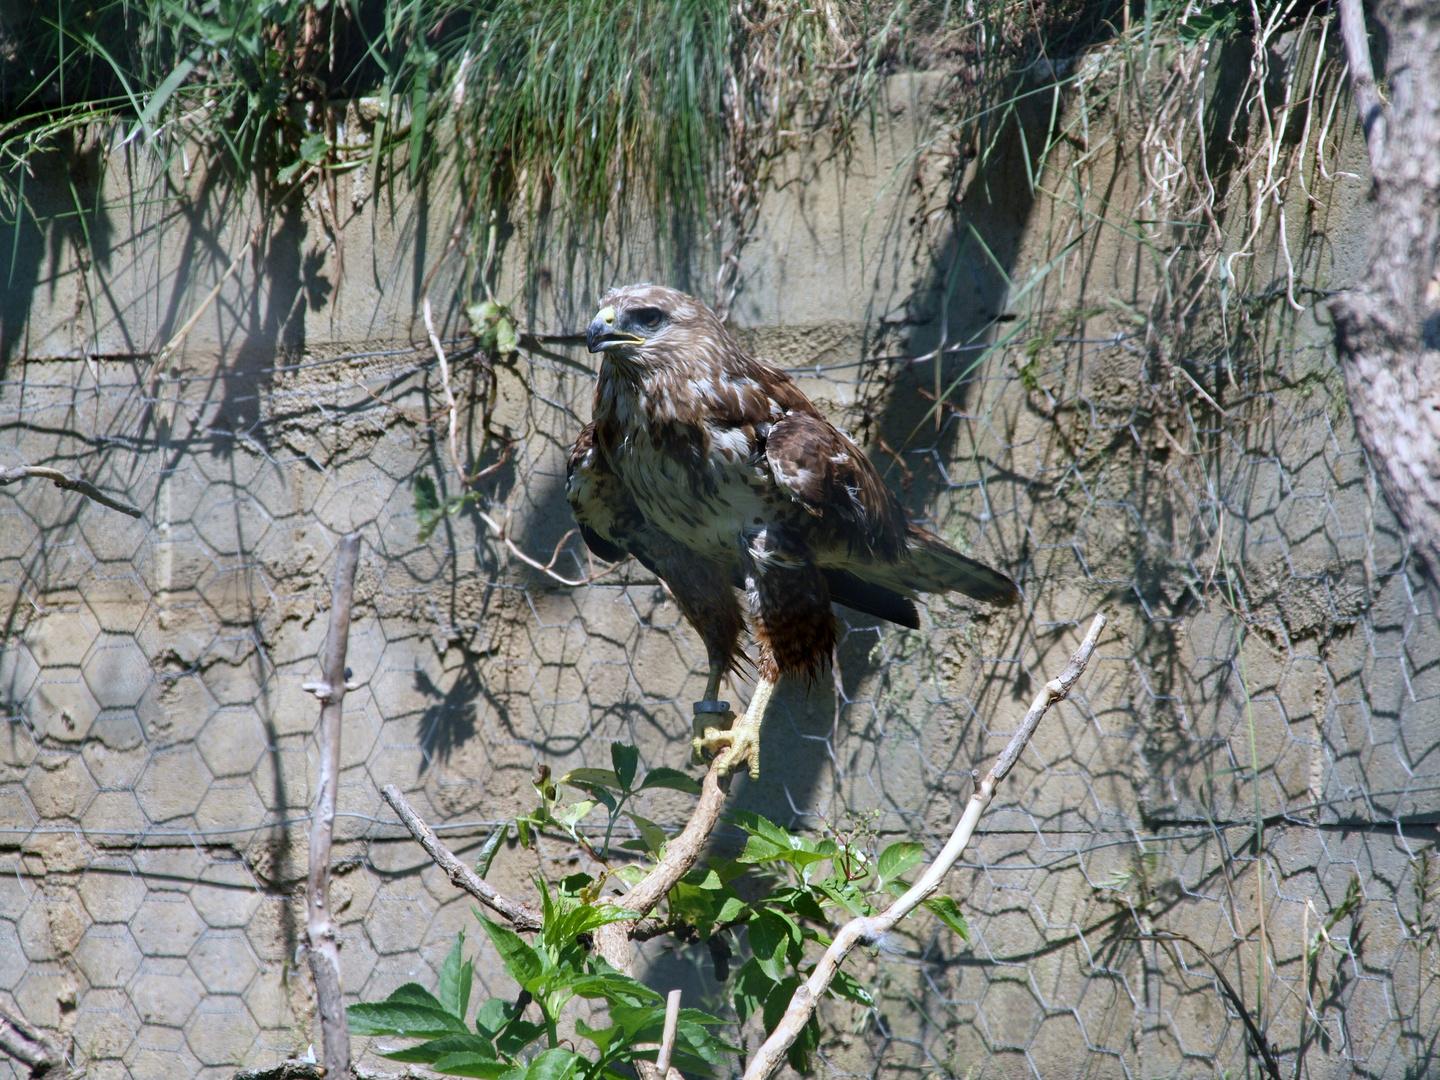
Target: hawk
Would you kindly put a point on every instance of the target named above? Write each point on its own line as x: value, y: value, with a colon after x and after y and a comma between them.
x: 712, y: 469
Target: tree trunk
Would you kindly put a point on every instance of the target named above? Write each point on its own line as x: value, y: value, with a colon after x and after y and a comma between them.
x: 1388, y: 326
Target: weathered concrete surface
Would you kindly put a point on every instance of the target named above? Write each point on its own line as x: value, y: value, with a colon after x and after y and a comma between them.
x: 158, y: 758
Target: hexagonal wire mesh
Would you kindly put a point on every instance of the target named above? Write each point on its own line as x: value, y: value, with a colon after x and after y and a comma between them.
x: 1272, y: 660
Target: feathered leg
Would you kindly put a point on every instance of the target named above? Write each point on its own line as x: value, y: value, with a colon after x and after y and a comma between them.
x: 795, y: 629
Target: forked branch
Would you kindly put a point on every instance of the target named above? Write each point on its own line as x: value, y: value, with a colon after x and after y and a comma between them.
x: 867, y: 931
x: 69, y: 483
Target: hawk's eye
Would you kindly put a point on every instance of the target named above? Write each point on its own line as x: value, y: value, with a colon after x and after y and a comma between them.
x: 649, y: 317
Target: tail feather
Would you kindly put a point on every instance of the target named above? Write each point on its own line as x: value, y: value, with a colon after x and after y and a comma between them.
x: 933, y: 566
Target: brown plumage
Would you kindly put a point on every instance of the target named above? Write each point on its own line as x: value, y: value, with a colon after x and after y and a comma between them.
x: 715, y: 471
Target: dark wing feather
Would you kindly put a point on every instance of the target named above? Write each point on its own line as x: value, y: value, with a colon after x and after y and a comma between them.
x: 827, y: 474
x: 861, y: 595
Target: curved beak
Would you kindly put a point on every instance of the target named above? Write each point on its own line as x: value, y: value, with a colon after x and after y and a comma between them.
x: 602, y: 333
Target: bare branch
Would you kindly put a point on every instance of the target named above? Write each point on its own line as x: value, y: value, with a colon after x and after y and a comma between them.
x: 667, y: 1039
x: 521, y: 915
x: 60, y: 480
x: 26, y: 1045
x: 1362, y: 76
x: 323, y: 949
x: 163, y: 356
x: 866, y: 931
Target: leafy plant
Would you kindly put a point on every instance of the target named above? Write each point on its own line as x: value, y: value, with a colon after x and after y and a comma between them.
x: 506, y: 1044
x: 798, y: 887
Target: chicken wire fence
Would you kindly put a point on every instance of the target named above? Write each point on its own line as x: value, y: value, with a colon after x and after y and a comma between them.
x: 1251, y: 760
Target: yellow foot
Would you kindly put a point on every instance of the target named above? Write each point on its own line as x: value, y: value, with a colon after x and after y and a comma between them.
x: 740, y: 744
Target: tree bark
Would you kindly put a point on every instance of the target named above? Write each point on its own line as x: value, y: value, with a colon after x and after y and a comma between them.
x: 1388, y: 327
x: 324, y: 950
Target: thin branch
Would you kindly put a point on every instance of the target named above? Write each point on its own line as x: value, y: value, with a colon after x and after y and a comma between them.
x: 667, y: 1040
x: 60, y: 480
x: 163, y: 356
x: 450, y: 395
x: 1362, y: 76
x: 324, y: 951
x: 26, y: 1045
x: 521, y: 915
x: 867, y: 931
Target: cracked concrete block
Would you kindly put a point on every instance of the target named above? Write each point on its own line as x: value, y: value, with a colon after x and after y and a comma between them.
x: 173, y: 784
x: 166, y: 925
x: 117, y: 672
x: 60, y: 786
x: 111, y: 897
x: 232, y: 742
x: 166, y: 992
x: 105, y: 1026
x: 108, y: 955
x: 221, y: 1030
x: 224, y: 962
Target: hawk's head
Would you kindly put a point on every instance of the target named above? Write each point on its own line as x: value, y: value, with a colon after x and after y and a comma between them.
x: 648, y: 325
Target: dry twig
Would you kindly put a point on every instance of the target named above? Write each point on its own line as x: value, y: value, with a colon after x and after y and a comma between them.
x: 26, y: 1045
x: 323, y: 950
x: 520, y: 914
x: 867, y: 931
x: 60, y: 480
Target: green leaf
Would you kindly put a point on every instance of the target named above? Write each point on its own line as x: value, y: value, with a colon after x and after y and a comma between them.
x: 770, y: 940
x: 844, y: 985
x: 490, y: 847
x: 517, y: 1036
x: 587, y: 778
x: 614, y: 988
x: 626, y: 759
x: 492, y: 1016
x: 756, y: 825
x: 948, y: 912
x: 403, y: 1018
x: 575, y: 813
x: 429, y: 1052
x: 556, y: 1063
x: 673, y: 779
x: 654, y: 835
x: 751, y: 988
x: 456, y: 978
x: 898, y: 858
x: 522, y: 963
x: 478, y: 1065
x: 507, y: 340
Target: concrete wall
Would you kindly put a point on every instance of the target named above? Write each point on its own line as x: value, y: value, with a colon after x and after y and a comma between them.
x: 158, y: 759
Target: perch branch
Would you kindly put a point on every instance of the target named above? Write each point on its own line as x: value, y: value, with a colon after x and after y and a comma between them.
x: 613, y: 941
x: 324, y: 951
x: 60, y: 480
x: 1362, y: 76
x: 25, y: 1044
x: 520, y: 914
x: 867, y: 931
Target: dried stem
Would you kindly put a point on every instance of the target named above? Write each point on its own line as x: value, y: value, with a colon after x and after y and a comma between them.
x: 1362, y: 75
x: 520, y: 914
x: 667, y: 1040
x: 60, y: 480
x: 324, y: 951
x: 26, y: 1045
x: 867, y: 931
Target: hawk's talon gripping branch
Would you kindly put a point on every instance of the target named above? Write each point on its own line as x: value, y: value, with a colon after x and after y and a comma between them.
x: 742, y: 741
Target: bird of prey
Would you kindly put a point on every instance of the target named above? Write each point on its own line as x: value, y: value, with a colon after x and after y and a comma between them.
x: 712, y: 469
